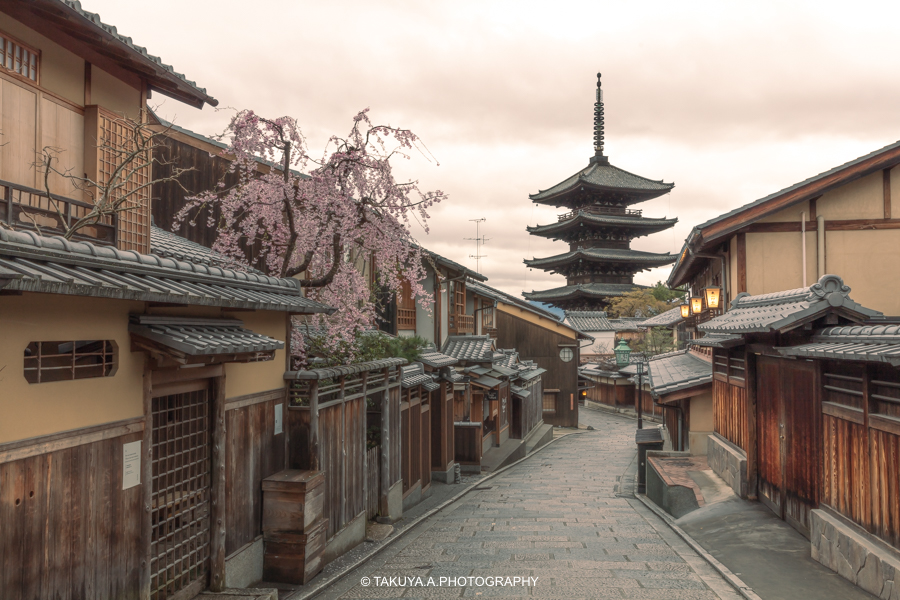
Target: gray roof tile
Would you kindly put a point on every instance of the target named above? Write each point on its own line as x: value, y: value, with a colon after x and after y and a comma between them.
x: 587, y: 290
x: 676, y: 371
x: 604, y: 255
x: 436, y: 359
x: 475, y: 348
x: 202, y: 337
x: 667, y: 318
x: 718, y: 340
x: 588, y: 320
x: 869, y: 343
x: 604, y: 176
x: 170, y: 245
x: 57, y: 266
x: 781, y: 311
x: 633, y: 222
x: 354, y: 369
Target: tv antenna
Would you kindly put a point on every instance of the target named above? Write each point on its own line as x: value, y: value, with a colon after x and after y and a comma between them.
x: 479, y: 240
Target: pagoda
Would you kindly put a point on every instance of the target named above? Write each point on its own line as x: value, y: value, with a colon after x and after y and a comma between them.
x: 598, y: 227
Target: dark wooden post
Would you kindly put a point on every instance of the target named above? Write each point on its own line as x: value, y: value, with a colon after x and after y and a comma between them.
x: 362, y: 420
x: 314, y: 425
x: 146, y: 480
x: 385, y: 447
x: 217, y: 496
x: 751, y: 428
x: 343, y: 463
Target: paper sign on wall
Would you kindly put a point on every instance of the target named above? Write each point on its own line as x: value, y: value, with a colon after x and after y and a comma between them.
x: 131, y: 465
x: 278, y: 414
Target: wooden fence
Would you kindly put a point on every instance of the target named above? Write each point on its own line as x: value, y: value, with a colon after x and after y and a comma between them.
x: 327, y: 422
x: 373, y: 481
x: 730, y: 412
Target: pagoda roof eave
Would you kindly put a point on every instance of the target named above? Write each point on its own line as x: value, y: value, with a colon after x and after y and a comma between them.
x: 646, y: 224
x: 603, y: 177
x: 604, y: 255
x: 586, y: 290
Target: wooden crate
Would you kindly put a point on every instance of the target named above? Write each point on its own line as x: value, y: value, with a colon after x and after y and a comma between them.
x: 294, y: 557
x: 293, y: 501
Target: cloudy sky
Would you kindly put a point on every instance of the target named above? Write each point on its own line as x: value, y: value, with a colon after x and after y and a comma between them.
x: 730, y: 101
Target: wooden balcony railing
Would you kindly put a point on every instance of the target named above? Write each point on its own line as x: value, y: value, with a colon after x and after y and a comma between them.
x: 406, y: 318
x: 460, y: 324
x: 23, y: 207
x: 601, y: 210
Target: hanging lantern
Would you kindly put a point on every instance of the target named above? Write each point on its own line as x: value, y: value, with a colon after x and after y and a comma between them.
x: 712, y: 297
x: 685, y: 311
x: 696, y: 305
x: 623, y: 354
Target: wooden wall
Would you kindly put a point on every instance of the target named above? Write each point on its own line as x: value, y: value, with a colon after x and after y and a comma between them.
x: 730, y: 412
x: 252, y: 452
x: 610, y: 394
x: 541, y: 345
x: 861, y: 446
x: 442, y: 427
x: 67, y: 528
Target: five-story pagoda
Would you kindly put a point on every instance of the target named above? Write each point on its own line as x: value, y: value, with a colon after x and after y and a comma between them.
x: 599, y: 227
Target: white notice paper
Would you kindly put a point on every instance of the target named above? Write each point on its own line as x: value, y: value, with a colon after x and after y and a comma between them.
x: 278, y: 414
x: 131, y: 465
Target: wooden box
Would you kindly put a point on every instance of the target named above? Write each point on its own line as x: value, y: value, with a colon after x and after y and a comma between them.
x: 294, y: 557
x: 293, y: 501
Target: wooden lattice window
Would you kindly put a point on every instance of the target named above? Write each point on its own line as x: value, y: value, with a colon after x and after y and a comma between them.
x: 487, y: 316
x: 19, y: 58
x: 114, y: 132
x: 406, y: 307
x: 64, y: 361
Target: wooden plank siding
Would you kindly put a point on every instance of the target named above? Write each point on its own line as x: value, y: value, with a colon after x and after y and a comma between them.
x: 253, y: 452
x: 861, y: 446
x: 730, y: 412
x: 69, y: 529
x: 541, y: 345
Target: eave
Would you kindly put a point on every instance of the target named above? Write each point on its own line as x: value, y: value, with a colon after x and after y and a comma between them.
x: 642, y: 225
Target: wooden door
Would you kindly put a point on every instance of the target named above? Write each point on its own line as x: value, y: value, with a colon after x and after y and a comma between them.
x: 180, y: 497
x: 770, y: 419
x: 788, y: 430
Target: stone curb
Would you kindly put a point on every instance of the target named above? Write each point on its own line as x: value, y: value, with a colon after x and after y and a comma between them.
x: 307, y: 594
x: 736, y: 582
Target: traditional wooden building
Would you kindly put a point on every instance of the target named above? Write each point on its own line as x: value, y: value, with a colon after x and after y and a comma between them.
x: 537, y: 335
x: 598, y: 229
x: 805, y: 395
x: 595, y: 324
x: 840, y: 221
x: 681, y: 383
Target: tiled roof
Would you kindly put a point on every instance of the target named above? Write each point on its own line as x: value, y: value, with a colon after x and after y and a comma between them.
x: 488, y: 292
x: 869, y: 343
x: 588, y: 320
x: 667, y: 318
x: 506, y: 358
x: 451, y: 375
x: 155, y: 62
x: 171, y: 245
x: 605, y: 176
x: 440, y: 260
x: 57, y: 266
x: 520, y: 392
x: 477, y: 348
x: 505, y: 371
x: 593, y: 370
x: 676, y: 371
x: 718, y: 340
x: 587, y: 290
x: 196, y: 337
x: 617, y: 255
x: 355, y: 369
x: 781, y: 311
x: 414, y: 375
x: 486, y: 381
x: 644, y: 224
x: 531, y: 374
x: 436, y: 359
x: 626, y: 324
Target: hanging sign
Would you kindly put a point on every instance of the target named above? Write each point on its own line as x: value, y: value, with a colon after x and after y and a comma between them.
x: 131, y: 464
x: 278, y: 418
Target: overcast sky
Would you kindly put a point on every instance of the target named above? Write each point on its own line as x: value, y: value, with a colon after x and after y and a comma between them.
x: 731, y: 102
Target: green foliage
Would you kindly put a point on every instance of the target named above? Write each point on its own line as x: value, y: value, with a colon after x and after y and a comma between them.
x: 664, y: 294
x: 366, y: 346
x: 642, y: 300
x: 657, y: 341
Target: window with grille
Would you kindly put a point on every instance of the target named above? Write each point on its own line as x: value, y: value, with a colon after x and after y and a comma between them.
x: 62, y: 361
x: 18, y: 58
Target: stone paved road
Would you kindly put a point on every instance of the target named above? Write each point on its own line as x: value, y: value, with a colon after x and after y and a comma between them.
x: 563, y: 516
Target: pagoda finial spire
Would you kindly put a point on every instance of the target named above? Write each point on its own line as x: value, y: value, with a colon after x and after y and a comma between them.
x: 598, y: 127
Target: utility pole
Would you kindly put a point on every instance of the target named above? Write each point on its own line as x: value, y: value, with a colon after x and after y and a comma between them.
x: 479, y: 240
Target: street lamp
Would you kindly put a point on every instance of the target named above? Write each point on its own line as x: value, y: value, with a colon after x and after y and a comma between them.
x: 696, y: 305
x: 685, y: 310
x: 712, y: 297
x: 623, y: 354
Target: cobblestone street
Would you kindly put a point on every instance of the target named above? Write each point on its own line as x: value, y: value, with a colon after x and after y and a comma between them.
x: 565, y: 516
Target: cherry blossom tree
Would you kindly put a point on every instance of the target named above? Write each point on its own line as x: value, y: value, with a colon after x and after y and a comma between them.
x: 326, y: 221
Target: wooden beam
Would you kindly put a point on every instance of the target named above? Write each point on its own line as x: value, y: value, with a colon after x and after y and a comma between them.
x: 886, y: 177
x: 147, y: 482
x: 54, y: 442
x: 314, y: 425
x: 742, y: 262
x: 812, y: 208
x: 87, y: 83
x: 217, y: 493
x: 751, y: 449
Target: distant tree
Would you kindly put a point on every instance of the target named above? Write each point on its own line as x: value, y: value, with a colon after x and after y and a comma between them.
x: 656, y: 341
x: 640, y: 302
x: 662, y: 292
